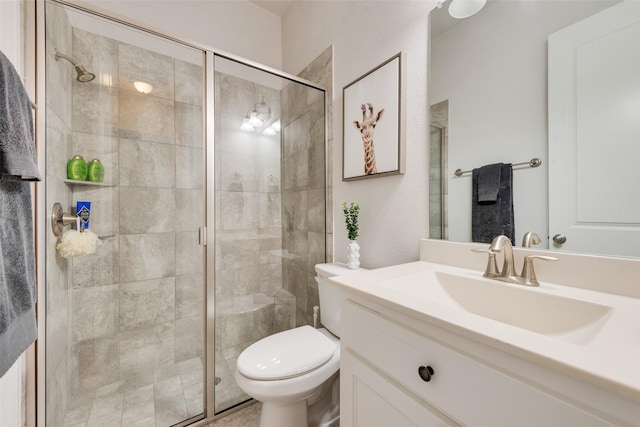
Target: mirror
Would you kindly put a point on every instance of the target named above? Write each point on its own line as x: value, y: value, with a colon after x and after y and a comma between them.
x: 488, y: 92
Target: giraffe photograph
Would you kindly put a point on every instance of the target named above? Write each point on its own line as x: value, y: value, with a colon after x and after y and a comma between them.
x: 372, y: 123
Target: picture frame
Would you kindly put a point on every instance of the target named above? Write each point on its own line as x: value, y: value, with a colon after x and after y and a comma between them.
x: 373, y: 123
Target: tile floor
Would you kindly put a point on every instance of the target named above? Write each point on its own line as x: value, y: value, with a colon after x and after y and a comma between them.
x: 227, y: 393
x: 247, y: 417
x: 174, y: 394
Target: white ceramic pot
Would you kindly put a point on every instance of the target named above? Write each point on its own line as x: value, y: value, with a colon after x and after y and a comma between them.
x: 353, y: 255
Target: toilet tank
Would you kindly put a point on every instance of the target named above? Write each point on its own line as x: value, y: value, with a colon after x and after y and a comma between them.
x: 330, y: 295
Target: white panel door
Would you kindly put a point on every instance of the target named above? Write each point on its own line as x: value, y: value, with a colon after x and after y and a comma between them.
x: 594, y: 133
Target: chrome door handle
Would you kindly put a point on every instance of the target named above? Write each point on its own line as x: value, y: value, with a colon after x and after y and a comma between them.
x: 559, y: 239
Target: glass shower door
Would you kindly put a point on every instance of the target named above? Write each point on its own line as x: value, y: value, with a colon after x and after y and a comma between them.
x: 124, y: 317
x: 270, y: 210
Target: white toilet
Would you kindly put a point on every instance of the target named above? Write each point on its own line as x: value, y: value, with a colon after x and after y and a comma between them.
x: 291, y: 370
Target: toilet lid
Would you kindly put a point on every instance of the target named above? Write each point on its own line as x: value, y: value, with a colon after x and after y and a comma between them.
x: 286, y: 354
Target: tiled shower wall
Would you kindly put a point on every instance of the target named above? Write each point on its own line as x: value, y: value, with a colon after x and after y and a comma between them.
x: 248, y: 226
x: 132, y: 312
x: 307, y: 218
x: 250, y: 300
x: 144, y: 287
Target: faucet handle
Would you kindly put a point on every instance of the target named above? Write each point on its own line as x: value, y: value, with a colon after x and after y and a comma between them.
x: 530, y: 238
x: 528, y: 273
x: 492, y: 264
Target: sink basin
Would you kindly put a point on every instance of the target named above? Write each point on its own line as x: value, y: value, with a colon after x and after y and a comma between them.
x: 522, y: 307
x: 532, y: 309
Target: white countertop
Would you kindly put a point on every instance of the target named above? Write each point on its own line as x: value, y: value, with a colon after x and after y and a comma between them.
x: 609, y: 358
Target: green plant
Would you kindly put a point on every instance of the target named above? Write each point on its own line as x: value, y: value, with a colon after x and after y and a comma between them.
x: 351, y: 219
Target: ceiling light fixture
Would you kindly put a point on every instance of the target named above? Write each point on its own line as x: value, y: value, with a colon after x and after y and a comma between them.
x: 254, y: 120
x: 246, y: 125
x: 256, y: 116
x: 262, y: 111
x: 461, y: 9
x: 143, y: 87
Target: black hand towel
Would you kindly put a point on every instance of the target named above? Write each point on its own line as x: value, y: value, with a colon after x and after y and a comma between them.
x: 489, y: 182
x: 492, y: 218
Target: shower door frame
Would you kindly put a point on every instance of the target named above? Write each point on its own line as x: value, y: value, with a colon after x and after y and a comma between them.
x: 207, y: 231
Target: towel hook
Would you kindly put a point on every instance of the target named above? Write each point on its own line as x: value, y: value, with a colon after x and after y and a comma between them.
x: 60, y: 219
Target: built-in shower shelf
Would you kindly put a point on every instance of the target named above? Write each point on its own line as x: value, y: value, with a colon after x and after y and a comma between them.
x: 89, y: 183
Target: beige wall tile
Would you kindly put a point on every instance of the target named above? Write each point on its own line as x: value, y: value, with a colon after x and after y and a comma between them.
x: 147, y: 210
x: 146, y: 303
x: 189, y: 295
x: 94, y: 312
x: 146, y: 164
x: 145, y: 117
x: 189, y: 85
x: 147, y: 256
x: 189, y: 338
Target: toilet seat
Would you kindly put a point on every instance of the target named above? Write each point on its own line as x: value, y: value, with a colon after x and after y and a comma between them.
x: 286, y: 354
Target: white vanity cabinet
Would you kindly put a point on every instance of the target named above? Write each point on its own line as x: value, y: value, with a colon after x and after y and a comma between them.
x: 377, y: 400
x: 464, y: 383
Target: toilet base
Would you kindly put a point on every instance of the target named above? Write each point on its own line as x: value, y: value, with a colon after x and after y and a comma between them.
x: 284, y: 415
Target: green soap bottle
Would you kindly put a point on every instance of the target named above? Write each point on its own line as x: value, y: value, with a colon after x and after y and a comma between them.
x: 96, y: 171
x: 77, y: 168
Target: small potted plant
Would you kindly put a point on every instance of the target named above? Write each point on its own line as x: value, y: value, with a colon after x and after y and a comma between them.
x: 351, y: 220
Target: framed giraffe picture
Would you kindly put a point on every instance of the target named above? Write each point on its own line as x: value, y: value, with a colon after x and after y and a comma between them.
x: 373, y: 122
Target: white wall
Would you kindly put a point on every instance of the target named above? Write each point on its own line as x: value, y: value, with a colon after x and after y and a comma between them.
x: 394, y: 210
x: 236, y: 27
x: 10, y: 32
x: 11, y: 401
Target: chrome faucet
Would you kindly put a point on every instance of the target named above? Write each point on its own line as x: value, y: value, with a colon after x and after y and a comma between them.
x: 508, y: 266
x: 508, y: 273
x: 530, y: 238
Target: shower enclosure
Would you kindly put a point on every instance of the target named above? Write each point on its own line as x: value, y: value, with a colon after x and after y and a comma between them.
x: 438, y: 170
x: 210, y: 218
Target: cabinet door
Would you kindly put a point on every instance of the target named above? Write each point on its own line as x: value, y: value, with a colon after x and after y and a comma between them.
x: 464, y: 389
x: 367, y: 399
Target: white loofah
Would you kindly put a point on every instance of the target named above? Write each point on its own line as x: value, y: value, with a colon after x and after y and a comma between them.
x: 74, y: 244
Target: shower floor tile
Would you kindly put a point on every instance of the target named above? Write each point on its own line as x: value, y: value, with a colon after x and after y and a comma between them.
x: 147, y: 422
x: 227, y: 393
x: 172, y: 394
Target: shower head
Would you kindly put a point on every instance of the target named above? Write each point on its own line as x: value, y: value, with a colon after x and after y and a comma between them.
x: 83, y: 75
